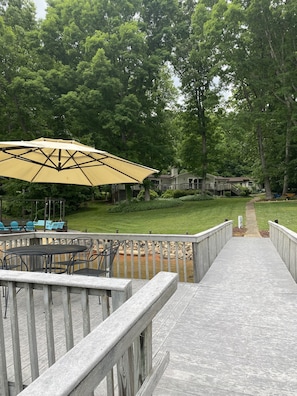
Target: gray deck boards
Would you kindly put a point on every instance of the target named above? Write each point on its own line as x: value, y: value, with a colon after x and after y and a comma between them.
x: 235, y: 333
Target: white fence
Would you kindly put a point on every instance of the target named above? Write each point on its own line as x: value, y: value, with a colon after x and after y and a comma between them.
x: 44, y: 321
x: 285, y: 242
x: 142, y: 256
x: 124, y: 339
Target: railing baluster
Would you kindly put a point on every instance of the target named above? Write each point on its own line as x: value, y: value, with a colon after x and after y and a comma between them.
x: 85, y: 312
x: 161, y: 256
x: 139, y: 259
x: 67, y: 318
x: 147, y: 274
x: 154, y: 258
x: 176, y: 257
x: 131, y: 259
x: 3, y: 367
x: 48, y: 302
x: 15, y: 334
x: 168, y: 257
x: 184, y: 250
x: 32, y: 337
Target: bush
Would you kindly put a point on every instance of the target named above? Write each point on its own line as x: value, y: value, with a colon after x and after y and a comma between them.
x: 196, y: 197
x: 178, y: 193
x: 141, y: 194
x: 125, y: 207
x: 244, y: 191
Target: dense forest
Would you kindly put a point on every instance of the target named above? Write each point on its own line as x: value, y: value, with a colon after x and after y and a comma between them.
x: 209, y: 86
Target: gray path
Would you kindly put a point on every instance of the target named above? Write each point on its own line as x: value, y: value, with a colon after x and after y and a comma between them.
x: 236, y: 332
x: 251, y: 220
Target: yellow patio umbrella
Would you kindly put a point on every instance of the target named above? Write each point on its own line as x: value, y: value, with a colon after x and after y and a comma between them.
x: 67, y: 162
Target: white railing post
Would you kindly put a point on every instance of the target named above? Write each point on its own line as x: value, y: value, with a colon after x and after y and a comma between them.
x: 207, y: 246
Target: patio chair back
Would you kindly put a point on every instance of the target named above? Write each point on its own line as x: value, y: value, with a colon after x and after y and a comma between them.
x: 2, y: 227
x: 105, y: 260
x: 14, y: 226
x: 30, y: 226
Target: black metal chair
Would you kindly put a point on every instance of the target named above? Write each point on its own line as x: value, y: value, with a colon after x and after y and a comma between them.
x: 98, y: 264
x: 11, y: 262
x: 67, y: 264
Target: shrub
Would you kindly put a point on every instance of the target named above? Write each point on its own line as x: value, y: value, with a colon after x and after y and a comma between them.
x: 244, y: 191
x: 178, y: 193
x: 125, y: 206
x: 196, y: 197
x: 141, y: 194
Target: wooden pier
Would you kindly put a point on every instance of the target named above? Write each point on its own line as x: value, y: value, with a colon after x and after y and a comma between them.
x: 235, y: 332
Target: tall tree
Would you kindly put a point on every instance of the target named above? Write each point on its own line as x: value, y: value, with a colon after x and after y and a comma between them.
x: 118, y: 67
x: 255, y: 45
x: 22, y: 86
x: 194, y: 63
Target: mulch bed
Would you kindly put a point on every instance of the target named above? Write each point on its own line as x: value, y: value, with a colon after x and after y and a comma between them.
x: 240, y: 232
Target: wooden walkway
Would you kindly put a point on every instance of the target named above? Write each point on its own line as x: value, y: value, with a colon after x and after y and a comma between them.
x: 235, y: 333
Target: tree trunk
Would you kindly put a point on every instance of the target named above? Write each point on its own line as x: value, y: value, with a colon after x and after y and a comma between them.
x: 147, y: 193
x: 267, y: 185
x: 128, y: 192
x: 146, y: 185
x: 287, y: 148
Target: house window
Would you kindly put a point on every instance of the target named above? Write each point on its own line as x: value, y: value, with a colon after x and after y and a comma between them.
x: 193, y: 184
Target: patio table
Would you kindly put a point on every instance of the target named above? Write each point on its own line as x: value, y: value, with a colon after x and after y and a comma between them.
x: 47, y: 251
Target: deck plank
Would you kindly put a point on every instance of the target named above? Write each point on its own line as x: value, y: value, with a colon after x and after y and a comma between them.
x: 237, y: 334
x: 233, y: 334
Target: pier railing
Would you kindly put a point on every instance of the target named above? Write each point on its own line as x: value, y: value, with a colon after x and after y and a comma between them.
x: 285, y: 242
x: 39, y: 327
x: 142, y: 256
x: 123, y: 339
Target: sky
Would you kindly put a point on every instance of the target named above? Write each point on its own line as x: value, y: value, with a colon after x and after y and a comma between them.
x: 40, y: 7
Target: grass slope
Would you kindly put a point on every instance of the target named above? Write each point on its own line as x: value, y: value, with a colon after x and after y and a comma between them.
x: 284, y: 211
x: 190, y: 217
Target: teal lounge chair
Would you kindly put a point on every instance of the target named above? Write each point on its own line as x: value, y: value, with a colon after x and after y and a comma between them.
x: 29, y: 226
x: 14, y: 226
x: 3, y: 228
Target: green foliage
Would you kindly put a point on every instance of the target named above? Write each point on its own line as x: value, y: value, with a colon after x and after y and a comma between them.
x: 125, y: 207
x: 283, y: 211
x: 18, y: 196
x: 178, y: 193
x: 141, y: 195
x: 188, y: 217
x: 196, y: 197
x: 99, y: 72
x: 244, y: 191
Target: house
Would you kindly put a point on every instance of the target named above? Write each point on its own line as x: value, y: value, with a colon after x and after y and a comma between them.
x: 218, y: 185
x: 184, y: 180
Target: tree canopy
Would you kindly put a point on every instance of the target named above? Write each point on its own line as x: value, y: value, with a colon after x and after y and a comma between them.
x: 102, y: 72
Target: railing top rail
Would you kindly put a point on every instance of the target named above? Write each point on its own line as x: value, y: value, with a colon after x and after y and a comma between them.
x: 291, y: 234
x: 120, y: 236
x: 59, y: 280
x: 97, y: 353
x: 213, y: 230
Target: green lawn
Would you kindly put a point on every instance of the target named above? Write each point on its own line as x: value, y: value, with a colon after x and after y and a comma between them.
x: 284, y: 211
x: 190, y: 217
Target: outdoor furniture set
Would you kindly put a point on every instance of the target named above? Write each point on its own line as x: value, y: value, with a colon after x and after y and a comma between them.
x: 14, y: 226
x: 78, y: 259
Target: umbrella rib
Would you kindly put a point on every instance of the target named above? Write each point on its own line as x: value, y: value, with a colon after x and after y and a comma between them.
x: 100, y: 161
x: 86, y: 166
